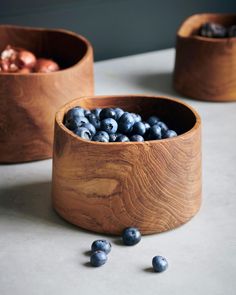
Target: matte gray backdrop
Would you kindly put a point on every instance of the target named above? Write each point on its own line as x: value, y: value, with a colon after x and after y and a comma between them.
x: 115, y: 27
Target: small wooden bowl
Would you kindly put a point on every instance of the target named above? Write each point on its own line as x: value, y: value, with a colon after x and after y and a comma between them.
x: 153, y: 185
x: 28, y: 102
x: 205, y: 68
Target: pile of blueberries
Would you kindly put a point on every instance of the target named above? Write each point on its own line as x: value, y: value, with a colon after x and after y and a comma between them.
x: 213, y: 30
x: 130, y: 236
x: 115, y: 125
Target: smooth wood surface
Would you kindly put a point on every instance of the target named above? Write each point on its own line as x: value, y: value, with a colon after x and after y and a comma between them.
x: 105, y: 187
x: 205, y: 68
x: 28, y: 102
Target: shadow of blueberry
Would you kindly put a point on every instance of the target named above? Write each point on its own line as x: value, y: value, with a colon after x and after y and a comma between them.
x: 87, y: 253
x: 148, y: 269
x: 87, y: 264
x: 119, y: 242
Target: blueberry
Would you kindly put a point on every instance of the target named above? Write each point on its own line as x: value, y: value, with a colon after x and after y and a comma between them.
x: 94, y: 121
x: 72, y: 113
x: 136, y: 137
x: 90, y: 127
x: 122, y: 138
x: 83, y: 133
x: 76, y: 122
x: 232, y: 31
x: 147, y: 126
x: 126, y: 123
x: 87, y: 112
x: 131, y: 236
x: 212, y: 30
x: 137, y: 117
x: 101, y: 136
x: 153, y: 120
x: 139, y: 128
x: 169, y: 133
x: 113, y: 136
x: 155, y: 132
x: 98, y: 258
x: 119, y: 113
x: 96, y: 112
x: 163, y: 126
x: 159, y: 263
x: 107, y: 113
x: 109, y: 125
x: 101, y: 245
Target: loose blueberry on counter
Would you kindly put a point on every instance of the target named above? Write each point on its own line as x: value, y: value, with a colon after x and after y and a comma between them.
x: 90, y: 127
x: 139, y: 128
x: 101, y: 136
x: 212, y: 30
x: 159, y: 263
x: 126, y: 123
x: 75, y: 112
x: 119, y: 113
x: 232, y: 31
x: 131, y: 236
x: 76, y: 122
x: 96, y: 112
x: 109, y: 125
x: 153, y: 120
x: 137, y: 117
x: 83, y: 133
x: 102, y: 245
x: 98, y: 258
x: 155, y: 132
x: 107, y: 113
x: 169, y: 133
x: 122, y: 138
x: 136, y: 137
x: 94, y: 121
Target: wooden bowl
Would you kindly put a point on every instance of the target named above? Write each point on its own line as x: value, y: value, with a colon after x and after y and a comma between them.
x: 28, y: 102
x: 153, y: 185
x: 205, y: 68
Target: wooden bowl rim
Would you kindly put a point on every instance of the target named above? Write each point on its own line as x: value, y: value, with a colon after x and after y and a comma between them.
x: 60, y: 115
x: 63, y: 31
x: 225, y: 40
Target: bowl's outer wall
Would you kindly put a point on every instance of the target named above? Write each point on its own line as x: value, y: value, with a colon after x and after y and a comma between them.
x: 205, y: 68
x: 155, y: 186
x: 28, y: 104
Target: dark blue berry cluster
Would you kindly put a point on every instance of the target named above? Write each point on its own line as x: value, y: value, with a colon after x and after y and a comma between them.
x: 213, y: 30
x: 115, y: 125
x: 130, y: 237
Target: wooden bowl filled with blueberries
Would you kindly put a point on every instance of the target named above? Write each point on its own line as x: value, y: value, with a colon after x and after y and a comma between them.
x: 205, y: 63
x: 40, y: 70
x: 122, y: 161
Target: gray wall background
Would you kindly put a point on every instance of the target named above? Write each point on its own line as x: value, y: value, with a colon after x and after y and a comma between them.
x: 115, y: 27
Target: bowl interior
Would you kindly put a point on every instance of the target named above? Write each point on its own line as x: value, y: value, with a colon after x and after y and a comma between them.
x: 64, y: 48
x: 191, y: 26
x: 176, y: 115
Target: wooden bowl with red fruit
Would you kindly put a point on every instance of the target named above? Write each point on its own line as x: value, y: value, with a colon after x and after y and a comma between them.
x: 40, y: 70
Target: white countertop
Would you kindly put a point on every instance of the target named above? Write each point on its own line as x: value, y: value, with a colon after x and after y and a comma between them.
x: 42, y: 254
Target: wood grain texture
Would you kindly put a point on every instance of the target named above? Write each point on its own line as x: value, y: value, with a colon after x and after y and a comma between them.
x: 205, y: 68
x: 105, y: 187
x: 28, y: 102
